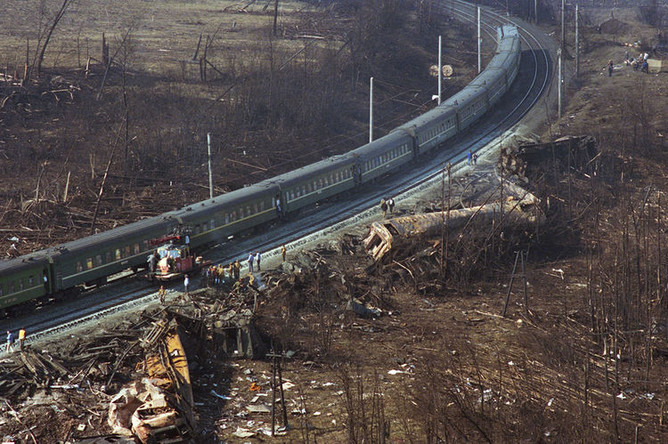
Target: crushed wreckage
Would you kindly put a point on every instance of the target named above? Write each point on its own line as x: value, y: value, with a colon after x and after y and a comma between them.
x: 159, y: 408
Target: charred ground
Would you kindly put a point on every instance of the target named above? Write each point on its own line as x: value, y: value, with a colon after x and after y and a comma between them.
x: 586, y: 363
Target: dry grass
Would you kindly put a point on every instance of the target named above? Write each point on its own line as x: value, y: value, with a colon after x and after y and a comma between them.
x: 164, y: 32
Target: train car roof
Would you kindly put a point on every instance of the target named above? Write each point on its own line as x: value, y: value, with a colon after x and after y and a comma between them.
x: 115, y: 234
x: 315, y: 169
x: 229, y: 199
x: 489, y: 75
x: 29, y: 261
x: 380, y: 144
x: 443, y: 110
x: 466, y: 95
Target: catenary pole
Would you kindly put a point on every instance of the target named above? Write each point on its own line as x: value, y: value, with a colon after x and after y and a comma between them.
x: 563, y: 25
x: 577, y: 41
x: 208, y: 140
x: 479, y: 44
x: 440, y: 74
x: 559, y: 86
x: 371, y: 110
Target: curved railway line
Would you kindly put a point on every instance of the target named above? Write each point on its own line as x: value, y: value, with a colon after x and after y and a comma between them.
x: 532, y: 84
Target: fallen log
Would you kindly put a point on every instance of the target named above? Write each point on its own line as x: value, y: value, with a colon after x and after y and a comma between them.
x: 402, y: 232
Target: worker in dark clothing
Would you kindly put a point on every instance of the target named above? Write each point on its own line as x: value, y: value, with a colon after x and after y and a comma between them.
x: 383, y: 207
x: 610, y: 67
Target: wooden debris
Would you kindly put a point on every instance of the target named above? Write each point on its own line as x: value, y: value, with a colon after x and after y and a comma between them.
x: 387, y: 235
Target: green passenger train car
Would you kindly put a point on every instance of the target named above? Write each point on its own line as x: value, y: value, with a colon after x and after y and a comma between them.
x: 92, y: 259
x: 214, y: 220
x: 24, y: 278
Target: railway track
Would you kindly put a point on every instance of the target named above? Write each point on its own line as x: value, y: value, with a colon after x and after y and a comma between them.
x: 531, y: 85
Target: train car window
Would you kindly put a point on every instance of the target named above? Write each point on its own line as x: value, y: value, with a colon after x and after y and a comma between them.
x: 31, y: 281
x: 98, y: 260
x: 126, y: 251
x: 233, y: 217
x: 20, y: 284
x: 117, y: 254
x: 145, y: 245
x: 1, y: 291
x: 304, y: 189
x: 137, y: 249
x: 107, y: 256
x: 89, y: 263
x: 212, y: 223
x: 79, y: 267
x: 12, y: 287
x: 205, y: 227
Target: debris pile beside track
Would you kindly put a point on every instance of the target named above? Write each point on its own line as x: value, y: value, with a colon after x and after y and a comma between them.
x: 130, y: 380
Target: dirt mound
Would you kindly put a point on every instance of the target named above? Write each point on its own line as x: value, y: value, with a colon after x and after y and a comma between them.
x: 614, y: 26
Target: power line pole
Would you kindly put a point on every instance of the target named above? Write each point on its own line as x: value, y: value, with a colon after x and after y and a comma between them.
x: 563, y: 25
x: 208, y: 139
x: 577, y: 41
x: 479, y: 44
x: 440, y: 74
x: 371, y: 110
x: 559, y: 75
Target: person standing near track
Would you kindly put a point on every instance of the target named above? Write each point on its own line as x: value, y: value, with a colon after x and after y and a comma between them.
x: 251, y: 259
x: 10, y: 341
x: 284, y: 252
x: 186, y: 283
x: 22, y: 338
x: 257, y: 259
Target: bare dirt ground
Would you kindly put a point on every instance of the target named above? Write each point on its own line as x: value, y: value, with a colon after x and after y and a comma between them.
x: 586, y: 363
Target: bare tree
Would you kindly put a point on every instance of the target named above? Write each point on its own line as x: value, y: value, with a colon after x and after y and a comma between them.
x: 42, y: 45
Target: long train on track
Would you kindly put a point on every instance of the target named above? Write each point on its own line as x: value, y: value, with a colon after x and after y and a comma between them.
x: 92, y: 259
